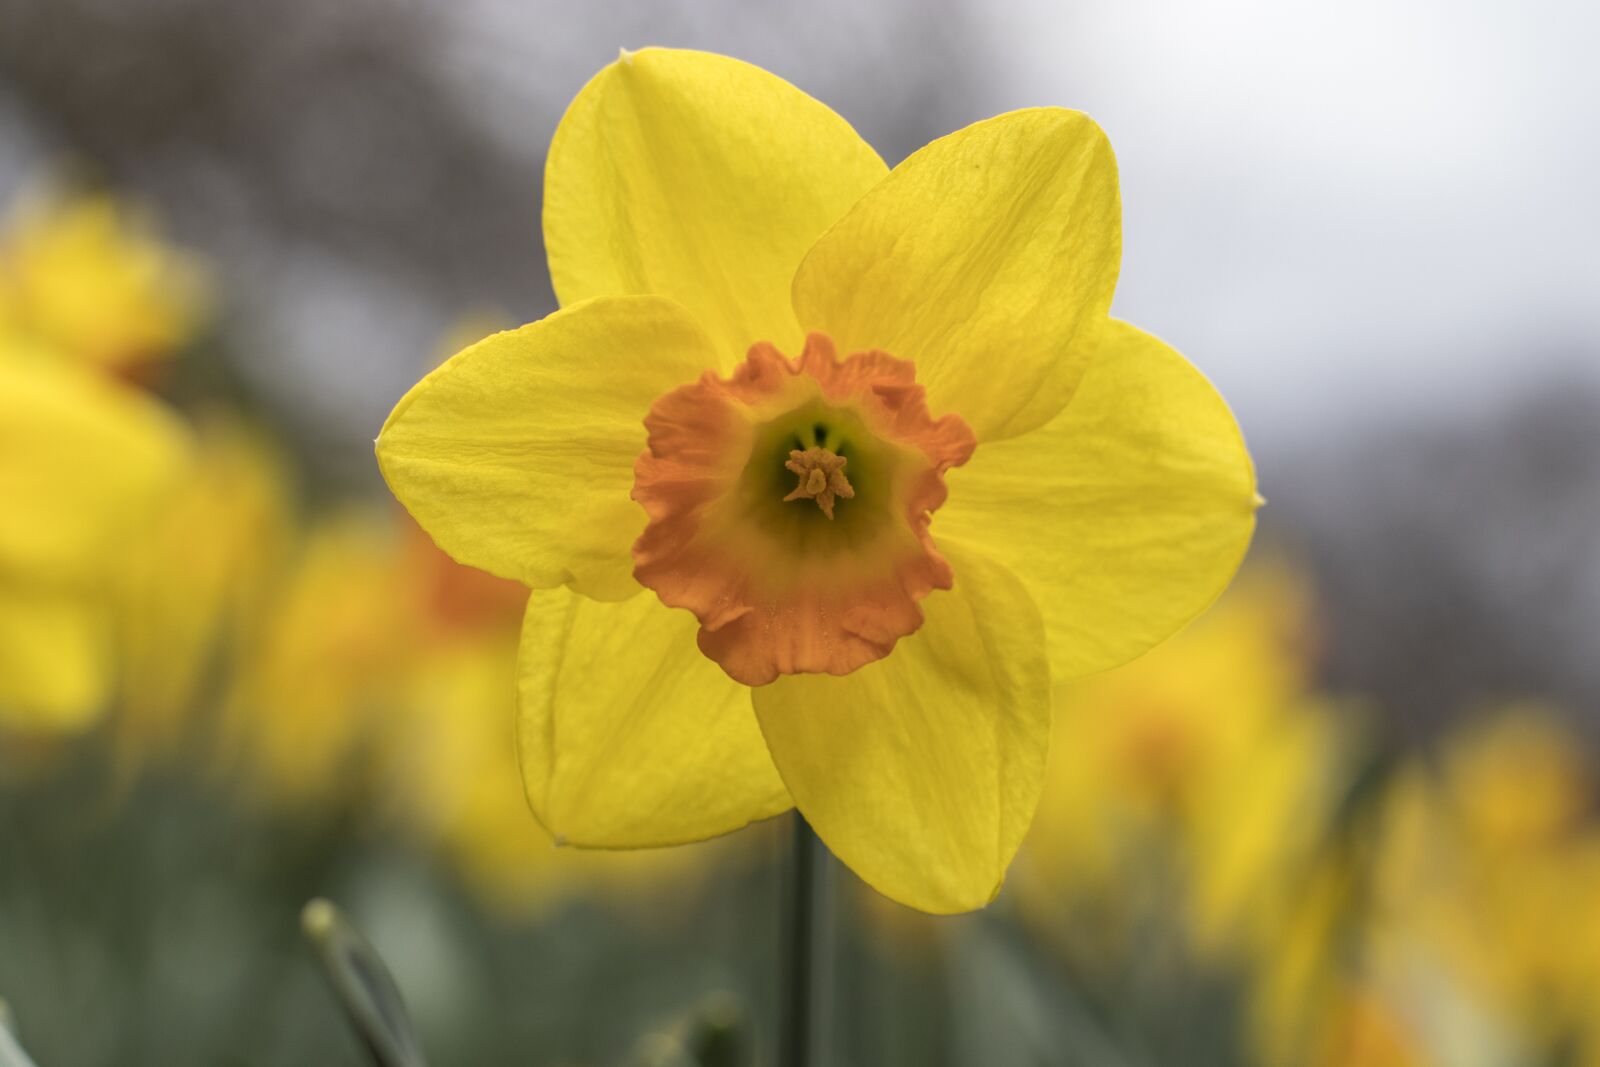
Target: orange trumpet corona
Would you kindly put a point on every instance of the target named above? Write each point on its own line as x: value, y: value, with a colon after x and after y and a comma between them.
x: 780, y: 587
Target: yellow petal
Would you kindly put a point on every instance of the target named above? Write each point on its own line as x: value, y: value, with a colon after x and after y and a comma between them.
x: 979, y: 258
x: 55, y: 660
x: 517, y: 454
x: 459, y: 779
x: 700, y: 178
x: 1127, y: 515
x: 84, y: 464
x: 629, y: 737
x: 921, y: 771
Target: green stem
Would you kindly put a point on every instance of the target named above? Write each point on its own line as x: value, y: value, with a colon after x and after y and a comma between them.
x: 808, y: 951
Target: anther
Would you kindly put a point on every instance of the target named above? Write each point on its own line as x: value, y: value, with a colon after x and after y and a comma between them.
x: 822, y: 477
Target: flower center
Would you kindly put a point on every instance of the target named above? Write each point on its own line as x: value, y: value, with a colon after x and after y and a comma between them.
x: 780, y: 587
x: 821, y: 477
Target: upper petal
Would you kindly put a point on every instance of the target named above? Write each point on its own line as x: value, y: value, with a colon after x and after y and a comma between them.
x: 517, y: 454
x: 979, y: 258
x: 628, y: 736
x: 702, y: 178
x: 921, y: 771
x: 1127, y: 515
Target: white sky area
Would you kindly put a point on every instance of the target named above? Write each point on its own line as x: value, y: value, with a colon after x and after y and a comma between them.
x: 1343, y: 209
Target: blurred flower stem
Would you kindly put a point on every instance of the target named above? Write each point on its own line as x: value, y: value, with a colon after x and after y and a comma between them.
x: 363, y: 985
x: 806, y: 996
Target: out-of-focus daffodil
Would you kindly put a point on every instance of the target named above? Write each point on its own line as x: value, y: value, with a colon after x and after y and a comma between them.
x: 455, y: 774
x: 87, y: 277
x: 382, y: 679
x: 1519, y: 781
x: 449, y: 751
x: 1207, y: 757
x: 198, y: 585
x: 1299, y: 986
x: 1488, y: 865
x: 1367, y: 1029
x: 784, y: 351
x: 1454, y: 921
x: 328, y: 663
x: 85, y: 466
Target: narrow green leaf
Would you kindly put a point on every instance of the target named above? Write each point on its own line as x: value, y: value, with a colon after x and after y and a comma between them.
x: 363, y: 985
x: 11, y: 1054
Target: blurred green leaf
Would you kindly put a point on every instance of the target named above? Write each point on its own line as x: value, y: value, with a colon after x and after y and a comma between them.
x: 11, y: 1054
x: 719, y: 1033
x: 362, y: 982
x: 661, y: 1050
x: 714, y: 1034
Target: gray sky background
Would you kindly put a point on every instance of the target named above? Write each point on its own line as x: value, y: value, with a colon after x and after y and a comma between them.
x: 1346, y: 208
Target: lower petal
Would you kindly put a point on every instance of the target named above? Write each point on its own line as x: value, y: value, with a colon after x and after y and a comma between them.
x: 628, y: 736
x: 1127, y: 515
x: 922, y: 771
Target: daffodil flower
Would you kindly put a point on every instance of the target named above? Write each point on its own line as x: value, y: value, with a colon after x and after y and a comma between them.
x: 86, y: 277
x: 898, y: 468
x: 1212, y: 757
x: 85, y: 465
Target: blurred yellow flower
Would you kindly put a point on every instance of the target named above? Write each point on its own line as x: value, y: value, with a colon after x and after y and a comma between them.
x: 1208, y: 757
x: 448, y: 754
x: 329, y: 664
x: 198, y: 584
x: 85, y: 466
x: 455, y: 781
x: 1297, y: 978
x: 1519, y: 781
x: 1489, y: 864
x: 381, y: 680
x: 86, y: 276
x: 1368, y: 1030
x: 783, y: 350
x: 1452, y: 919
